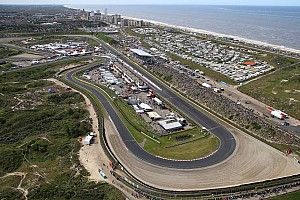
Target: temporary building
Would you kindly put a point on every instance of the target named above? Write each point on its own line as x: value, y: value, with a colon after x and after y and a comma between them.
x: 249, y: 63
x: 170, y: 125
x: 87, y: 140
x: 154, y: 115
x: 137, y: 109
x: 92, y: 134
x: 157, y: 101
x: 182, y: 121
x: 145, y: 107
x: 86, y: 76
x: 142, y: 86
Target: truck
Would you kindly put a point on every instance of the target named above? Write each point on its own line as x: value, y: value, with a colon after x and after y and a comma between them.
x: 206, y: 85
x: 217, y: 90
x: 102, y: 173
x: 277, y: 113
x: 158, y: 101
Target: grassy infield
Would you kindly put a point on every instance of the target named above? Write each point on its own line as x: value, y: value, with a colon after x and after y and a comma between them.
x: 7, y: 52
x: 44, y: 140
x: 289, y: 196
x: 197, y: 146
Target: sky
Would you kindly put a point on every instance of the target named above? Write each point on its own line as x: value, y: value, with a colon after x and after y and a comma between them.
x: 204, y: 2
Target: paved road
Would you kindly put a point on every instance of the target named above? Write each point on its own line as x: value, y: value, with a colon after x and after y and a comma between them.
x: 226, y: 148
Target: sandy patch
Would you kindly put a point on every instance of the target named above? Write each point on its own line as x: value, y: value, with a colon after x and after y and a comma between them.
x: 28, y: 56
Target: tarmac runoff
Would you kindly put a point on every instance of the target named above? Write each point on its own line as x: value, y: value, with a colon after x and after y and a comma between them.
x: 252, y: 161
x: 227, y: 141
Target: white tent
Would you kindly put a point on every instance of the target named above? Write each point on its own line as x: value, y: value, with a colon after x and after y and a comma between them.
x: 87, y: 140
x: 154, y: 115
x: 170, y: 124
x: 145, y: 107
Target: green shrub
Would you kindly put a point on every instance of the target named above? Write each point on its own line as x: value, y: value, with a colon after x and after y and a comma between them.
x: 10, y: 194
x: 10, y: 160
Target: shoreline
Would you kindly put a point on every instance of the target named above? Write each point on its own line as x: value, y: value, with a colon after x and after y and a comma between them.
x: 201, y: 31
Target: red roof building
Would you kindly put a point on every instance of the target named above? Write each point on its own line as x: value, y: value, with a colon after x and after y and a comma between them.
x: 249, y: 63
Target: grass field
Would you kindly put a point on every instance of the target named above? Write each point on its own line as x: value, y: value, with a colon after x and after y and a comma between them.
x: 277, y: 61
x: 39, y: 140
x: 198, y: 143
x: 6, y: 52
x: 289, y: 196
x: 280, y: 90
x: 6, y: 66
x: 105, y: 38
x: 197, y: 147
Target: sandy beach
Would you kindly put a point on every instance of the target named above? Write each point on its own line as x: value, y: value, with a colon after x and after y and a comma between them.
x: 195, y: 30
x: 202, y: 31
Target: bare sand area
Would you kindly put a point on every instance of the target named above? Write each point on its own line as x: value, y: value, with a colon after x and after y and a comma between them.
x: 252, y: 161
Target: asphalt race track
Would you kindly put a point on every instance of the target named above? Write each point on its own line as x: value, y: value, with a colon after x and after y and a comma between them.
x: 227, y: 141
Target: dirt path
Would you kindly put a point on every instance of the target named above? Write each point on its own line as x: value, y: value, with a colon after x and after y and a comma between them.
x: 19, y: 188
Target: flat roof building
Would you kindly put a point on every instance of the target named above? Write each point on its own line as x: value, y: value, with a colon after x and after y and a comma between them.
x: 145, y: 56
x: 154, y: 115
x: 141, y: 53
x: 145, y: 107
x: 170, y: 125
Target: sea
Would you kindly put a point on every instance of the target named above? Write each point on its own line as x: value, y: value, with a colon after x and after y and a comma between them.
x: 275, y: 25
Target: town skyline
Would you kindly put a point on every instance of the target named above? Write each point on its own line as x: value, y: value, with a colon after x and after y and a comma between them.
x: 168, y: 2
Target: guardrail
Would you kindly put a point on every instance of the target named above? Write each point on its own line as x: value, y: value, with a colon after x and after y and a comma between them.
x: 156, y: 193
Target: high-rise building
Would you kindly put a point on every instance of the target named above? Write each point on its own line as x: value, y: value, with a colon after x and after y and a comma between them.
x: 124, y: 22
x: 98, y: 16
x: 116, y: 19
x: 92, y: 14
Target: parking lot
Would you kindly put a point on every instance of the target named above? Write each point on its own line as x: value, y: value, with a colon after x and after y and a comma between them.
x: 239, y: 65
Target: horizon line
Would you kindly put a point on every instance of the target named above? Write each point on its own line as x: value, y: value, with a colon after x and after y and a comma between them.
x: 50, y: 4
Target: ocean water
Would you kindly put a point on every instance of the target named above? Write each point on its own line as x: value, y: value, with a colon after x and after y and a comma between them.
x: 273, y: 25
